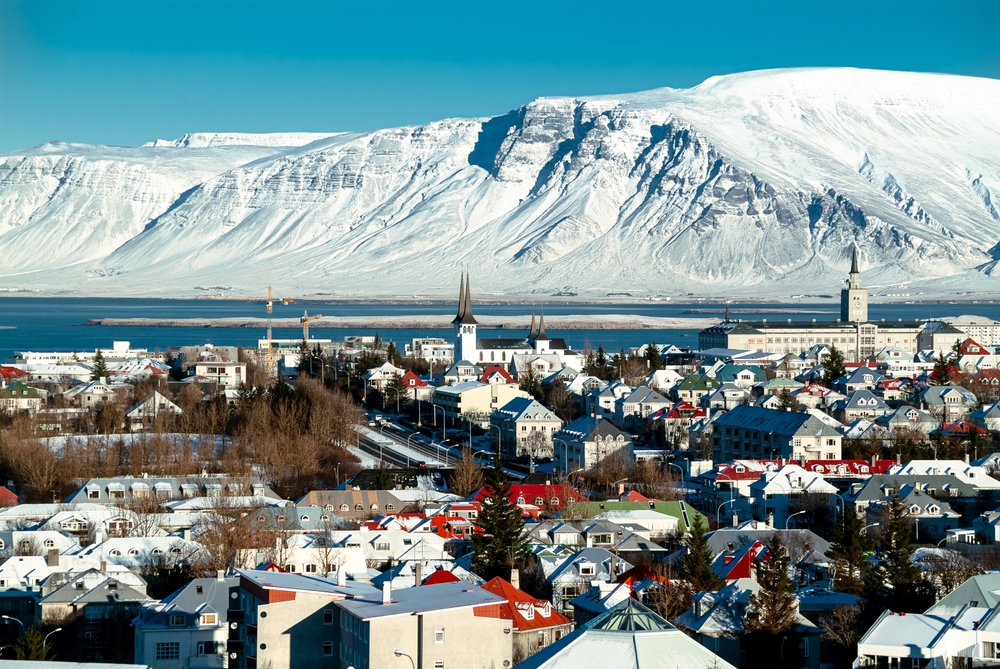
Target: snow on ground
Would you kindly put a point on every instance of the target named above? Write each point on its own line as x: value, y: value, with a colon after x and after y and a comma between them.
x: 195, y: 441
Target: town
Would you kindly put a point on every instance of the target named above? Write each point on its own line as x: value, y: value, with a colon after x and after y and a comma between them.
x: 785, y: 494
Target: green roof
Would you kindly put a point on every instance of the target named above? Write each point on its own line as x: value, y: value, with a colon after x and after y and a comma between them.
x: 591, y: 509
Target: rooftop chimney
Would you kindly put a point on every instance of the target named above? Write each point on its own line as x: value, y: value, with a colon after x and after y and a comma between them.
x: 220, y: 575
x: 104, y: 565
x: 341, y: 576
x: 418, y: 572
x: 770, y: 519
x: 736, y: 519
x: 614, y: 567
x: 515, y: 578
x: 53, y: 557
x: 387, y: 591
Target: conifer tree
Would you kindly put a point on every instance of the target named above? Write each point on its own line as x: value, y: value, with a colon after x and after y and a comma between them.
x: 941, y: 374
x: 32, y: 646
x: 833, y: 366
x: 894, y: 582
x: 849, y: 551
x: 100, y: 370
x: 391, y: 353
x: 500, y: 546
x: 786, y: 401
x: 696, y: 564
x: 305, y: 356
x: 773, y: 612
x: 653, y: 358
x: 601, y: 363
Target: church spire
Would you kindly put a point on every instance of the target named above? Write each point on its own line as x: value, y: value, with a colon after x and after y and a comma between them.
x: 727, y: 311
x: 854, y: 260
x: 540, y: 335
x: 461, y: 300
x: 531, y: 330
x: 464, y: 316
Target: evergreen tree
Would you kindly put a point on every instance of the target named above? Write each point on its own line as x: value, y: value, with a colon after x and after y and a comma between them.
x: 849, y: 551
x: 833, y: 366
x: 100, y: 370
x: 601, y: 363
x: 894, y: 582
x: 941, y: 374
x: 383, y: 479
x: 529, y: 382
x: 500, y: 546
x: 773, y: 612
x: 31, y: 646
x: 695, y: 565
x: 653, y: 358
x: 786, y: 402
x: 391, y: 354
x: 305, y: 356
x: 395, y: 388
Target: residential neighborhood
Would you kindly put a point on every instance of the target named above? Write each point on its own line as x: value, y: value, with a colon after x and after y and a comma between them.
x: 832, y: 501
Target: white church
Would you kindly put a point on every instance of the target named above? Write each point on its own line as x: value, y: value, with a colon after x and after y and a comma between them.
x: 500, y: 351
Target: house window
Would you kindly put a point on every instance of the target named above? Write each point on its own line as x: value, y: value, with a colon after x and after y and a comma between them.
x: 439, y: 664
x: 168, y: 650
x: 93, y: 494
x: 328, y: 649
x: 359, y: 507
x: 310, y: 569
x: 382, y: 546
x: 177, y: 620
x: 328, y: 617
x: 116, y: 494
x: 206, y: 648
x: 390, y: 507
x: 439, y: 635
x: 344, y: 507
x: 587, y: 570
x: 209, y: 619
x: 374, y: 507
x: 539, y: 501
x: 554, y: 502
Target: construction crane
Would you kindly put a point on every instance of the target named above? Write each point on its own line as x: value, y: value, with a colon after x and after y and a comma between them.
x: 305, y: 323
x: 271, y: 366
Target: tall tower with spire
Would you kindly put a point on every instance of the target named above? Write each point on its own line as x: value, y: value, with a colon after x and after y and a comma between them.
x: 854, y: 298
x: 466, y: 344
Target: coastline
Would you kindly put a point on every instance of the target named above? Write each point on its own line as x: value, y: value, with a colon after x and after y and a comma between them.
x: 421, y: 322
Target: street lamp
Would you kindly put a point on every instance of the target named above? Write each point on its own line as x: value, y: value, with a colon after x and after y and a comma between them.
x: 444, y: 425
x: 565, y: 451
x: 867, y: 526
x: 499, y: 434
x: 399, y: 653
x: 45, y: 641
x: 718, y: 514
x: 408, y: 449
x: 797, y: 513
x: 15, y: 620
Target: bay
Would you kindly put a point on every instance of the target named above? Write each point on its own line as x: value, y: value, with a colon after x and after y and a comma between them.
x: 55, y: 323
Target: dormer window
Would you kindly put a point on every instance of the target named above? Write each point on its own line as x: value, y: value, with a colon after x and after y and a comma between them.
x: 209, y: 618
x: 177, y: 620
x: 344, y: 507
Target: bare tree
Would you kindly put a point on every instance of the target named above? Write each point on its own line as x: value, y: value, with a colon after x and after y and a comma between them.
x: 467, y: 477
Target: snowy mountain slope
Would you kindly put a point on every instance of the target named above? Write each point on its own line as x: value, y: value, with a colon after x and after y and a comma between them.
x: 755, y: 184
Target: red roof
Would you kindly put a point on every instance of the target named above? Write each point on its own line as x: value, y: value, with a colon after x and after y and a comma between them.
x: 961, y: 428
x: 270, y: 566
x: 519, y: 603
x: 491, y: 372
x: 633, y: 496
x: 411, y: 380
x: 441, y: 576
x: 12, y: 373
x: 855, y: 467
x: 7, y: 498
x: 732, y: 566
x: 640, y: 573
x: 972, y: 347
x: 531, y: 493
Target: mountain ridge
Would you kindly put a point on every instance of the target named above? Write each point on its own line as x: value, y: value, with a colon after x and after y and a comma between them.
x: 745, y: 184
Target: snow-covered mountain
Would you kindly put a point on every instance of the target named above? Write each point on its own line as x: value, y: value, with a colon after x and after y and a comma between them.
x: 752, y: 184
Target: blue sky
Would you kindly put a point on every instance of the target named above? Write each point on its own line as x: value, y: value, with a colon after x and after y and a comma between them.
x: 102, y: 71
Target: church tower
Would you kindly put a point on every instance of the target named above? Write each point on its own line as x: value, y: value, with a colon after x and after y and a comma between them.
x: 854, y: 298
x: 466, y: 346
